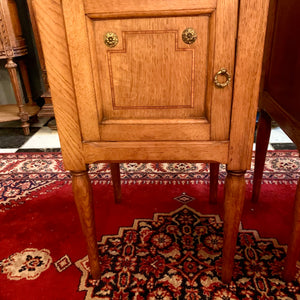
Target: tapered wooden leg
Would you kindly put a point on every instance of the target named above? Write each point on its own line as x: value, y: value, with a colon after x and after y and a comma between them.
x: 11, y: 66
x: 262, y: 141
x: 233, y: 207
x: 84, y: 201
x: 116, y: 180
x: 214, y: 175
x: 293, y: 253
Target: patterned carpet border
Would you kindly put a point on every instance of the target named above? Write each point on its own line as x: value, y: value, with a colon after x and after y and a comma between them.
x: 281, y: 167
x: 23, y: 176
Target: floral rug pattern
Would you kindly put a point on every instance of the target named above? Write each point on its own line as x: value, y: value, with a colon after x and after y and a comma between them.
x: 173, y: 256
x: 178, y: 256
x: 27, y: 264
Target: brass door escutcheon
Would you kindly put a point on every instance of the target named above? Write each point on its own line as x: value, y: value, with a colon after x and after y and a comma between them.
x: 189, y: 36
x: 111, y: 39
x: 222, y: 72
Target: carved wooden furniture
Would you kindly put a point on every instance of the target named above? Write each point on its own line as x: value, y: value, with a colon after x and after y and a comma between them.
x: 153, y: 81
x: 12, y: 45
x: 280, y: 100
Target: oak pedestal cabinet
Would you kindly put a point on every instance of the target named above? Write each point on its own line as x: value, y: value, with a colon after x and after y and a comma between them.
x: 154, y: 81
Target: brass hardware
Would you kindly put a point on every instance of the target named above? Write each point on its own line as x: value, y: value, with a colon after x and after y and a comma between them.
x: 111, y: 39
x: 189, y: 36
x: 222, y: 72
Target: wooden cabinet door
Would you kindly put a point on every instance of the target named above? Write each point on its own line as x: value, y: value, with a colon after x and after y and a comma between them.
x: 153, y: 86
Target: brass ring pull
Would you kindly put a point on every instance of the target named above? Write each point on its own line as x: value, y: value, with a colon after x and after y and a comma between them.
x: 111, y: 39
x: 189, y: 36
x: 222, y: 72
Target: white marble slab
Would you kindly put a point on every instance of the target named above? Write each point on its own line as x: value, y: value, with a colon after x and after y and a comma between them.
x: 44, y: 138
x: 269, y: 147
x: 278, y: 136
x: 8, y: 150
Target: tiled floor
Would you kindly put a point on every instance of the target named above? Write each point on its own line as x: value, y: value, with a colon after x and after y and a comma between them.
x: 44, y: 139
x: 41, y: 138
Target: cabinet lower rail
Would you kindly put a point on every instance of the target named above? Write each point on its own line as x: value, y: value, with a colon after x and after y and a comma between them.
x: 207, y: 151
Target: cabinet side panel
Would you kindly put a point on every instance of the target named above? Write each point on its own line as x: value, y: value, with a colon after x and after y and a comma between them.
x: 250, y: 46
x: 52, y: 32
x: 82, y: 69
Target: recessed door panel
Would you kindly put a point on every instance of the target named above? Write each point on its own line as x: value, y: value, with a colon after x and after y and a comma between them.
x: 151, y: 72
x: 149, y: 78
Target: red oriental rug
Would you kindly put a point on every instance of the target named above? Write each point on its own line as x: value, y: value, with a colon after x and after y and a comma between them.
x: 163, y: 241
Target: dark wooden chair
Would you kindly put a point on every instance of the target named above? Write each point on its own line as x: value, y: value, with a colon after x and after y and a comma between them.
x: 280, y: 101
